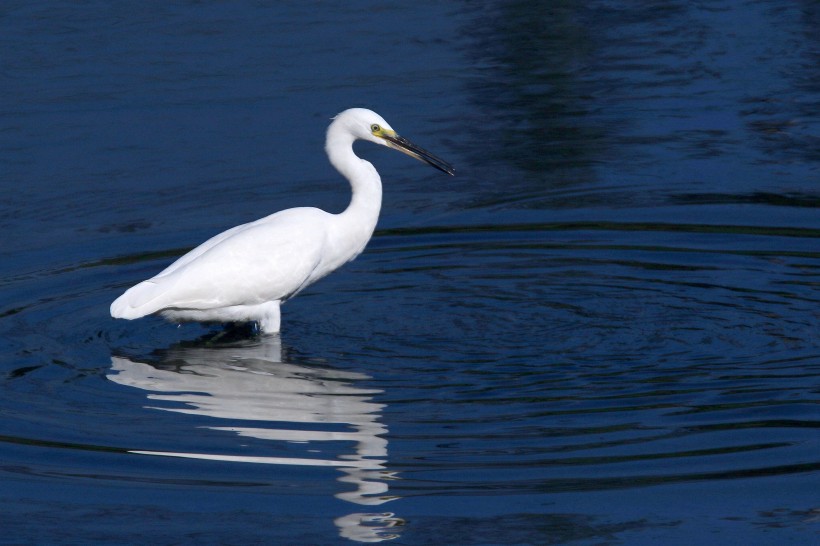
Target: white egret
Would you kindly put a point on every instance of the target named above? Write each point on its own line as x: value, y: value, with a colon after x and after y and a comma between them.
x: 245, y: 273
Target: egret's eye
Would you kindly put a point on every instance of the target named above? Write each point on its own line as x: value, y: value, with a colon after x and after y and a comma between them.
x: 375, y: 128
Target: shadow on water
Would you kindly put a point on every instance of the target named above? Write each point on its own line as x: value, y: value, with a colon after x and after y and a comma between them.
x: 316, y: 416
x: 531, y: 105
x: 614, y: 103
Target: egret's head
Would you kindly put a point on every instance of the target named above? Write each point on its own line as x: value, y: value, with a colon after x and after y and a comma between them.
x: 368, y: 125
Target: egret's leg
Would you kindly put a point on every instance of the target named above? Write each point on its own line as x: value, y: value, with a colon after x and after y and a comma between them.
x: 254, y: 328
x: 270, y: 320
x: 232, y: 332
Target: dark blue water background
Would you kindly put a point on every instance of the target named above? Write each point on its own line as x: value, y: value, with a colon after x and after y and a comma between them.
x: 603, y: 330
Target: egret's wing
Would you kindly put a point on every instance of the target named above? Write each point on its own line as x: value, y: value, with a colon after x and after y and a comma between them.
x: 201, y: 249
x: 270, y: 259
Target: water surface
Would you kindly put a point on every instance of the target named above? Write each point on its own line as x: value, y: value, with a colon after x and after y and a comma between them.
x: 603, y: 330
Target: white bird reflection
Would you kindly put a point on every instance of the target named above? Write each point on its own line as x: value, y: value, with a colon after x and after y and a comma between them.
x: 249, y: 382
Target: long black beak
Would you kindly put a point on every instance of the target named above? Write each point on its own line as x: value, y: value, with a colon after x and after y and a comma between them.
x: 403, y: 145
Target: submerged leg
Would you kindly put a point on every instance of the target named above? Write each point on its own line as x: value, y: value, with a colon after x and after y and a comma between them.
x: 241, y: 329
x: 231, y: 332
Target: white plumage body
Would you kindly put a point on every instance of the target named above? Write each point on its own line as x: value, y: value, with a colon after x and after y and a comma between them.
x: 245, y: 273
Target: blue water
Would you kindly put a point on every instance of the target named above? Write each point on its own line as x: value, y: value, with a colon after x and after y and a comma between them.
x: 603, y: 330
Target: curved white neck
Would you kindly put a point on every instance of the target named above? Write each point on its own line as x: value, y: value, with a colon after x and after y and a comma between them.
x: 360, y: 217
x: 364, y: 180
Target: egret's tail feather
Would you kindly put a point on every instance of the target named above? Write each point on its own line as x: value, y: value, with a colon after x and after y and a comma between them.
x: 138, y: 301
